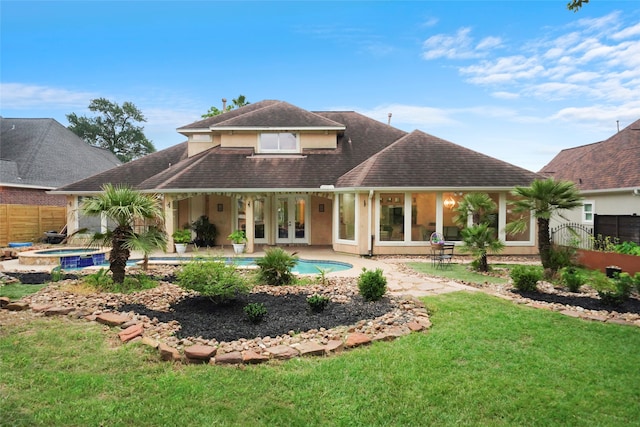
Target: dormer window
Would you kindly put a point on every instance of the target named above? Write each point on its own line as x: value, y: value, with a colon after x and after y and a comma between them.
x: 279, y: 142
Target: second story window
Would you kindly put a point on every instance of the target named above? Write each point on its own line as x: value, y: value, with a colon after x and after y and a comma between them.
x: 279, y: 142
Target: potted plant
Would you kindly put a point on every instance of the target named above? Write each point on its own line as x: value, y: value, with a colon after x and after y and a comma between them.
x: 238, y: 239
x: 181, y: 239
x: 206, y: 232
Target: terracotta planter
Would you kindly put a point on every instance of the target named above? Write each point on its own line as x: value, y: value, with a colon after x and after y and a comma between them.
x: 601, y: 260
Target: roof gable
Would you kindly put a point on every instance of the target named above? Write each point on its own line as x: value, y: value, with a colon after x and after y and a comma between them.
x: 265, y: 115
x: 609, y: 164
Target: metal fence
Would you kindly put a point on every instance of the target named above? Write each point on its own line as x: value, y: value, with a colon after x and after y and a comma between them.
x: 572, y: 234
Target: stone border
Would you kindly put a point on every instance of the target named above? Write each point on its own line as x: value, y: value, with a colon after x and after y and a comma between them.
x: 409, y: 315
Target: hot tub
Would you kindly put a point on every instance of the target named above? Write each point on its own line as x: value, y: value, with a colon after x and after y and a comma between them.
x: 66, y: 258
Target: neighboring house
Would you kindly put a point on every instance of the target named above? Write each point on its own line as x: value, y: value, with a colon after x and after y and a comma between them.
x: 38, y: 155
x: 607, y: 173
x: 332, y: 178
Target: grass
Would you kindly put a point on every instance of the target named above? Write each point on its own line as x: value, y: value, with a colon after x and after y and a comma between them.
x: 485, y: 362
x: 15, y: 291
x: 460, y: 272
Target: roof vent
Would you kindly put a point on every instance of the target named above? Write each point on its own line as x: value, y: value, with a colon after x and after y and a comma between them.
x: 389, y: 119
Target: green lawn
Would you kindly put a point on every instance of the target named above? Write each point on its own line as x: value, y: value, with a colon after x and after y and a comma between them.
x: 485, y: 362
x: 459, y: 272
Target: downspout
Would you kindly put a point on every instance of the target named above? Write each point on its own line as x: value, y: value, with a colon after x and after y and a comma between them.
x: 369, y: 225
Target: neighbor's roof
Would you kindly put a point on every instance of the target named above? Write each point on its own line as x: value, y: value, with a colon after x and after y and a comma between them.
x: 43, y: 153
x: 610, y: 164
x: 368, y: 153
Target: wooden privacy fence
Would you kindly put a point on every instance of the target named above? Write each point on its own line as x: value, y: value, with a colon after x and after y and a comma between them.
x: 27, y: 223
x: 625, y: 228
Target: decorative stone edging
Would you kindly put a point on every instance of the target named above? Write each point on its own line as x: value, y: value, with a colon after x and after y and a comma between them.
x: 409, y: 316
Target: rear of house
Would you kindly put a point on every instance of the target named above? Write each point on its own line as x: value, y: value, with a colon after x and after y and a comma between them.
x: 291, y: 177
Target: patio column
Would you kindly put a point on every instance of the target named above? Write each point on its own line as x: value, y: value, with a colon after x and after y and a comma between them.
x: 250, y: 224
x: 167, y: 205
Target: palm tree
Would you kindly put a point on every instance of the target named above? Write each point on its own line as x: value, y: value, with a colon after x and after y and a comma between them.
x: 125, y: 207
x: 479, y: 238
x: 543, y: 199
x: 479, y: 206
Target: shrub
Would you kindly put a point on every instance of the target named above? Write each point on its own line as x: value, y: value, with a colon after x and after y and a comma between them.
x: 613, y: 291
x: 275, y: 267
x: 525, y: 278
x: 214, y: 279
x: 372, y: 284
x: 101, y: 281
x: 317, y: 303
x: 562, y: 256
x: 636, y: 281
x: 572, y: 278
x: 255, y: 311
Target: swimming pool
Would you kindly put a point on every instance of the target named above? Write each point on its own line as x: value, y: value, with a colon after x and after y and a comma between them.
x: 303, y: 266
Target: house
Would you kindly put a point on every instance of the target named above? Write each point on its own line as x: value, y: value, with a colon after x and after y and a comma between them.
x: 607, y: 173
x: 38, y: 155
x: 289, y: 176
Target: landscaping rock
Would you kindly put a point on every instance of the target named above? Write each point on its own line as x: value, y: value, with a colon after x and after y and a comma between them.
x: 283, y: 352
x: 311, y: 348
x: 169, y: 354
x: 131, y: 332
x: 17, y: 306
x: 111, y: 319
x: 251, y: 357
x: 357, y: 339
x: 233, y: 358
x: 58, y: 311
x: 202, y: 352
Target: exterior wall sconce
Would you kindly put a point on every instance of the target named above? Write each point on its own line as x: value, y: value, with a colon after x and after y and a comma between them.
x: 321, y: 207
x: 220, y: 207
x: 449, y: 203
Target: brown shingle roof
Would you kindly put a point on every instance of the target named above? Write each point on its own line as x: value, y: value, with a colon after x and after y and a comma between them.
x: 368, y: 153
x: 609, y: 164
x: 265, y: 114
x: 423, y: 160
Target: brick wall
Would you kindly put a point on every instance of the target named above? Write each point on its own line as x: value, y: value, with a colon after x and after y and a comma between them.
x: 27, y: 196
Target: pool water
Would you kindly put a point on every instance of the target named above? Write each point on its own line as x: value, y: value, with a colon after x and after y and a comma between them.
x: 303, y: 266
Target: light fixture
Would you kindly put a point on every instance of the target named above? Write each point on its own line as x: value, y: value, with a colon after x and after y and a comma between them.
x: 449, y: 203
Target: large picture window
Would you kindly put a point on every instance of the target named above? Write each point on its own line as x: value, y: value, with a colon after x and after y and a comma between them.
x: 392, y: 217
x: 279, y: 142
x: 347, y: 216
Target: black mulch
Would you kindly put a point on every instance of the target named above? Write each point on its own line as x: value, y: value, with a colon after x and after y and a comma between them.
x: 37, y: 278
x: 200, y: 317
x: 632, y: 305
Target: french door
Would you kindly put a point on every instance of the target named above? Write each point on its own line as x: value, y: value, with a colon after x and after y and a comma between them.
x: 291, y: 219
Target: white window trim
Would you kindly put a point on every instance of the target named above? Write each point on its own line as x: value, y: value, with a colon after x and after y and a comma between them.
x: 584, y: 213
x: 336, y: 207
x: 293, y: 151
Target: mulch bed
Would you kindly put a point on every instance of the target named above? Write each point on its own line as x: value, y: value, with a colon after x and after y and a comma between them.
x: 200, y: 317
x: 632, y: 305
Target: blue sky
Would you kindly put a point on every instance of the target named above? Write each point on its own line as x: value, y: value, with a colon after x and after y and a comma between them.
x: 516, y: 80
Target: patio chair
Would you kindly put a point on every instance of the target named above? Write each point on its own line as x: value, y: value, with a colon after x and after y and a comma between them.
x: 442, y: 254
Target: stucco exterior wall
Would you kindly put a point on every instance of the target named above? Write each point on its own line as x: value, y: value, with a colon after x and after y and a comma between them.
x: 321, y: 221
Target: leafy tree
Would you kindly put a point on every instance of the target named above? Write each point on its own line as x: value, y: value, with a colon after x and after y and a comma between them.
x: 543, y: 199
x: 480, y: 238
x: 576, y: 5
x: 126, y: 207
x: 238, y: 102
x: 114, y: 129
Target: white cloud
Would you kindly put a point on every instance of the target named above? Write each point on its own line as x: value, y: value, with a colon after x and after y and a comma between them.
x: 410, y: 115
x: 505, y: 95
x: 25, y: 96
